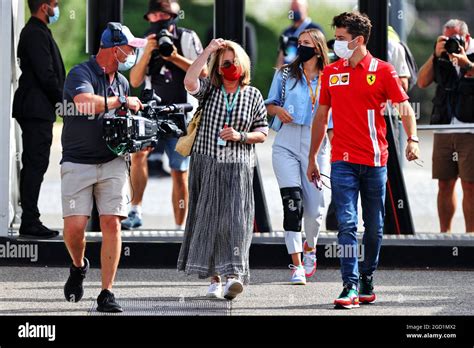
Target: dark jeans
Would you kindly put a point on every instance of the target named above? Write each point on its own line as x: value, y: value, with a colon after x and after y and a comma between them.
x: 347, y: 181
x: 37, y: 137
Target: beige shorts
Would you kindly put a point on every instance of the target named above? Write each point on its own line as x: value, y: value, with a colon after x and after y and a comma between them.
x: 107, y: 182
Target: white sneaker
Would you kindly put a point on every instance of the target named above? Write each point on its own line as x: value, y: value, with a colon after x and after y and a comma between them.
x: 309, y: 261
x: 233, y: 287
x: 215, y: 290
x: 298, y: 276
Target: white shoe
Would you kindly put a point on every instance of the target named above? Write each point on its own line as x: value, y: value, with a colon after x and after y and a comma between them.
x: 215, y: 290
x: 298, y: 276
x: 309, y: 261
x: 233, y: 287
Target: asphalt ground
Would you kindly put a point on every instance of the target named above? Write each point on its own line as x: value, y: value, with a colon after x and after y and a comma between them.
x: 39, y: 291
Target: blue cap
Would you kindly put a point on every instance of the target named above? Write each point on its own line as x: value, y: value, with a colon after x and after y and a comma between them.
x: 117, y: 34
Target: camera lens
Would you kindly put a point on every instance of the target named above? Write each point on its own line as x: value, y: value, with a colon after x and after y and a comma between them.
x: 165, y: 43
x: 166, y: 46
x: 452, y: 46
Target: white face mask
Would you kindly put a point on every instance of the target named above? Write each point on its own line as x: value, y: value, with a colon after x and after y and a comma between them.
x: 341, y: 49
x: 128, y: 64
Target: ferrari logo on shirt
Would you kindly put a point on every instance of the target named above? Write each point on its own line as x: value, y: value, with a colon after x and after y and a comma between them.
x: 339, y: 79
x: 370, y: 79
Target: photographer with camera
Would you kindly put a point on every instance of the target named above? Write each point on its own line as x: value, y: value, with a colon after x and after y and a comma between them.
x: 298, y: 13
x: 451, y: 67
x: 89, y: 169
x: 162, y: 66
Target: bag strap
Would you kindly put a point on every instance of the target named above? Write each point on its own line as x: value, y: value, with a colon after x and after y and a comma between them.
x: 203, y: 101
x: 286, y: 73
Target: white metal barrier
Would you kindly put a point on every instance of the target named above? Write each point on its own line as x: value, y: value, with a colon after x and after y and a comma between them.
x: 12, y: 14
x: 6, y: 43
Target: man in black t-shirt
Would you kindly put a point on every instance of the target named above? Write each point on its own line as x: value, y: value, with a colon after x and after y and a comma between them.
x: 89, y: 168
x: 164, y: 72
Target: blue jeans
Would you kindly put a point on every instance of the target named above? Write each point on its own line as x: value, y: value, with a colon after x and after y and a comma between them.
x: 347, y: 180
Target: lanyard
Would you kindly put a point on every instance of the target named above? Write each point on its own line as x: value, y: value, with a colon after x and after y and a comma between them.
x: 314, y: 95
x: 228, y: 106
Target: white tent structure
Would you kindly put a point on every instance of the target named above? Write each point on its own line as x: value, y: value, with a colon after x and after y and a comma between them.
x: 12, y: 14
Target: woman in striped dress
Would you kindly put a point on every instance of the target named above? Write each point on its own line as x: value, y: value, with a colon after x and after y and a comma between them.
x: 219, y: 225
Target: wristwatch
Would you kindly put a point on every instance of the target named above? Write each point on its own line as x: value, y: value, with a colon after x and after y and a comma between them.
x: 413, y: 138
x: 243, y: 137
x: 123, y: 100
x: 469, y: 66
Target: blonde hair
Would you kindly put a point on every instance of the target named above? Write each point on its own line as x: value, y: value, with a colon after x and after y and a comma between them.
x: 241, y: 58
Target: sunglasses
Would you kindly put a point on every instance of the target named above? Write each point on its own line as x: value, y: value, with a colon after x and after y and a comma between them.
x: 227, y: 64
x: 323, y: 180
x: 419, y: 162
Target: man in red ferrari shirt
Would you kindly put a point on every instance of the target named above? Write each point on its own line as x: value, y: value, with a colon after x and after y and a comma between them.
x: 357, y: 88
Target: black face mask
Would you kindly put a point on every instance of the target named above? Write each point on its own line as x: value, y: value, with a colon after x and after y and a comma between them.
x: 156, y: 27
x: 305, y: 53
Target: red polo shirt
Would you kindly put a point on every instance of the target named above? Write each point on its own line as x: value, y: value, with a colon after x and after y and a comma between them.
x: 358, y: 97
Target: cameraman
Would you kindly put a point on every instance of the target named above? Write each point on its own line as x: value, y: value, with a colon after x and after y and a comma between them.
x: 88, y: 167
x: 164, y: 72
x: 451, y: 68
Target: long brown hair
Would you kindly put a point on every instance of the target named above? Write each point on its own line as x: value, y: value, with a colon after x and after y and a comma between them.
x: 319, y: 42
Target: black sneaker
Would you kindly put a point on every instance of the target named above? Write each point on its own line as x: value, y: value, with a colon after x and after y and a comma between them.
x: 73, y: 289
x: 106, y: 303
x: 366, y: 289
x: 36, y: 231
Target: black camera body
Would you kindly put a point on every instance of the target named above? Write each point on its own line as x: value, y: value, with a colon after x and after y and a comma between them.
x: 128, y: 133
x: 165, y: 43
x: 454, y: 43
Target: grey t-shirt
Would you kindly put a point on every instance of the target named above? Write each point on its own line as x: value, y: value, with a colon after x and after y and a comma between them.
x: 82, y: 136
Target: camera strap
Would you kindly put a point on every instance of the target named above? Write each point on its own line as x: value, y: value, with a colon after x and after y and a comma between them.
x: 106, y: 106
x: 119, y: 85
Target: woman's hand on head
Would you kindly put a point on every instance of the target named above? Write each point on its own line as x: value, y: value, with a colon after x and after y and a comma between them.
x: 215, y: 45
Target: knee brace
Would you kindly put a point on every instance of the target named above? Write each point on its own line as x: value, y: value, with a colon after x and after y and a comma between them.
x: 292, y: 208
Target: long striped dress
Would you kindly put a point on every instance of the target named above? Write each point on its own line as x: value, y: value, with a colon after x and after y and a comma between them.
x: 219, y: 225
